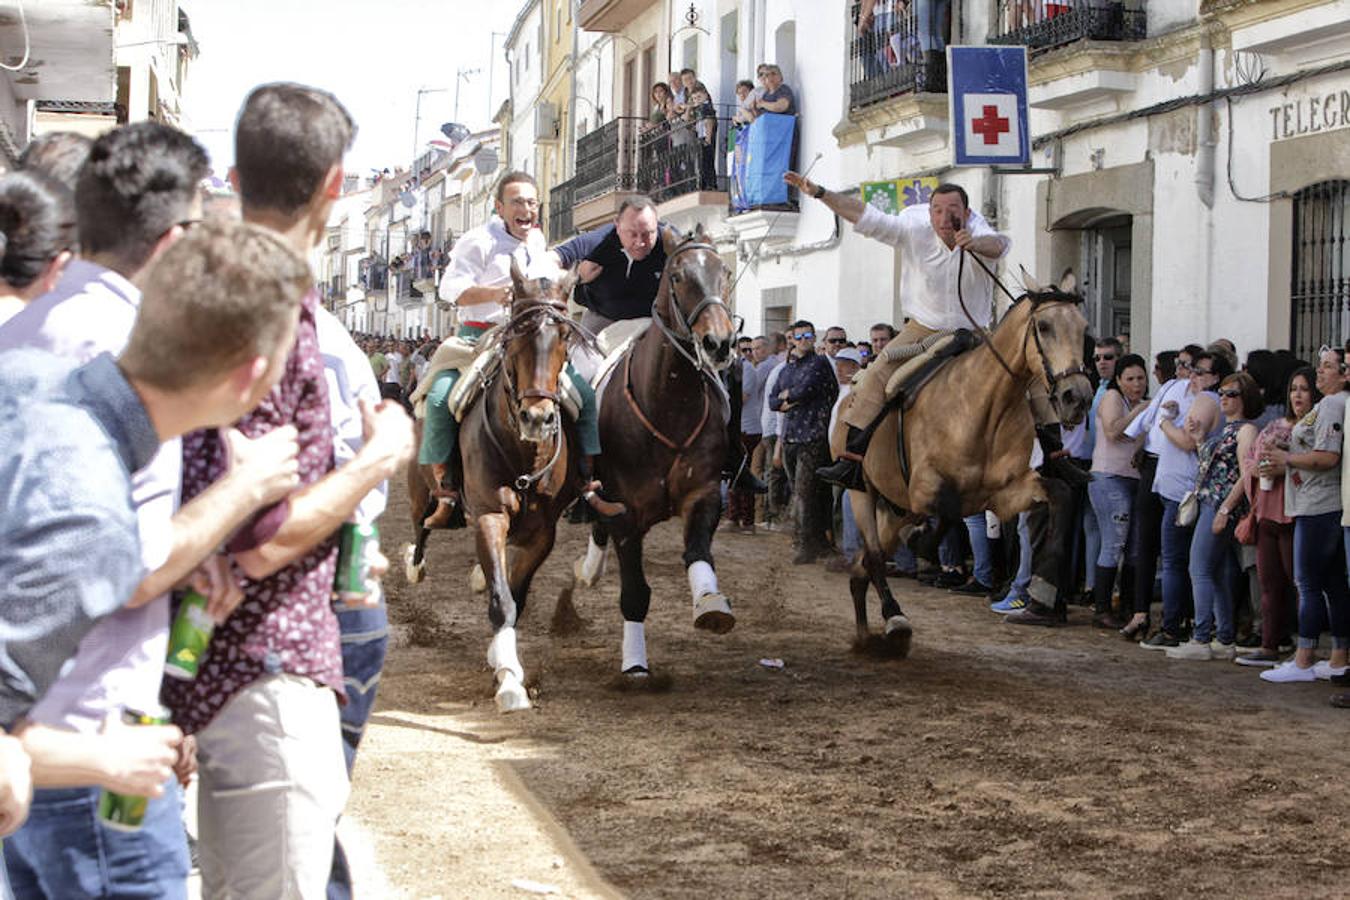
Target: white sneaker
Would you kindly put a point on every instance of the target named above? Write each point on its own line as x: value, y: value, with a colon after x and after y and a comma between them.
x: 1288, y: 672
x: 1220, y: 650
x: 1323, y: 670
x: 1192, y: 650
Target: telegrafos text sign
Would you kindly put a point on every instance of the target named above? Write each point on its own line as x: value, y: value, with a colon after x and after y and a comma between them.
x: 1310, y: 115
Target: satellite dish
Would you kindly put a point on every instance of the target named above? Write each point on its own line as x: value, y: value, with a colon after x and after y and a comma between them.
x: 485, y: 161
x: 454, y: 132
x: 407, y: 199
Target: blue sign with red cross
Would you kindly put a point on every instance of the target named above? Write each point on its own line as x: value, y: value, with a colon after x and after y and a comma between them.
x: 988, y: 90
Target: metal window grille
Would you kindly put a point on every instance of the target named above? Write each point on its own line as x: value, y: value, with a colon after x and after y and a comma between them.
x: 560, y: 201
x: 1320, y: 289
x: 900, y: 53
x: 1045, y: 24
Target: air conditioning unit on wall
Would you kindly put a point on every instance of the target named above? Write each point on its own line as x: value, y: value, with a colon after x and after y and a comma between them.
x: 546, y: 121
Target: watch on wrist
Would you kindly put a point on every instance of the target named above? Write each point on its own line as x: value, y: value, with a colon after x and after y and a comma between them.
x: 818, y: 192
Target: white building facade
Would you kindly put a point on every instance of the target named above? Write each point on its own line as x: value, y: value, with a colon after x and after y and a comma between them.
x: 1196, y: 154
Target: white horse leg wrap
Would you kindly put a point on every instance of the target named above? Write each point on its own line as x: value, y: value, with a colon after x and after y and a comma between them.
x: 595, y: 555
x: 702, y: 580
x: 634, y: 645
x: 502, y: 653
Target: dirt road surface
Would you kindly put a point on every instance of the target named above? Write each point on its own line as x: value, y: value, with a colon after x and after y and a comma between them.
x: 995, y: 761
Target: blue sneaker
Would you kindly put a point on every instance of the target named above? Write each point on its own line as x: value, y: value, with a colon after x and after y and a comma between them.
x: 1009, y: 604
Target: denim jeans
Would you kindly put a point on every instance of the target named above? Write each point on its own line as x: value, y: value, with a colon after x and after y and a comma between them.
x: 1213, y: 571
x: 1176, y: 582
x: 65, y: 851
x: 1092, y: 539
x: 1319, y: 572
x: 365, y: 641
x: 980, y: 550
x: 1022, y: 581
x: 1112, y: 506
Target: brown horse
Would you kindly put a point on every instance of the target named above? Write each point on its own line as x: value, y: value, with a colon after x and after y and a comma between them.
x: 968, y: 440
x: 519, y: 468
x: 661, y: 427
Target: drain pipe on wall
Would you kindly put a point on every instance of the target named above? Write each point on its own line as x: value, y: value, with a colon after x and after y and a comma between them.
x: 1205, y: 152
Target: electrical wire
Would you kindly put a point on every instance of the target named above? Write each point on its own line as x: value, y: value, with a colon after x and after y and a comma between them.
x: 27, y: 46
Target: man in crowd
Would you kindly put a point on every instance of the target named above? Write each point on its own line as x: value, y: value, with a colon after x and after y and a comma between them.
x: 777, y: 96
x: 264, y: 704
x: 836, y: 339
x: 932, y: 238
x: 879, y: 335
x: 136, y: 196
x: 804, y: 394
x: 304, y: 124
x: 215, y: 321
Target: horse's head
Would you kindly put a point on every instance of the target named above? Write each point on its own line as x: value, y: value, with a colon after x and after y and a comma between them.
x: 534, y: 342
x: 693, y: 296
x: 1057, y: 328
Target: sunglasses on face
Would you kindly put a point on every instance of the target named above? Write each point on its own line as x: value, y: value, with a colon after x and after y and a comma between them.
x: 1201, y: 372
x: 1230, y: 393
x: 805, y: 336
x: 1110, y: 357
x: 836, y: 340
x: 1181, y: 364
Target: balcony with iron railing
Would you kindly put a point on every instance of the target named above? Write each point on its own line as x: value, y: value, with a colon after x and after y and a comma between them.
x: 560, y: 201
x: 667, y: 160
x: 1043, y: 25
x: 899, y: 52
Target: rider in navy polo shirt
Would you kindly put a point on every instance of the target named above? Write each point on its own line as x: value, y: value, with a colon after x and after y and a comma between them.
x: 621, y: 265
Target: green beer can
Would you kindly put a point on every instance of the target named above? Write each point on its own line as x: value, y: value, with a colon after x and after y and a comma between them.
x: 188, y: 638
x: 357, y: 547
x: 123, y: 812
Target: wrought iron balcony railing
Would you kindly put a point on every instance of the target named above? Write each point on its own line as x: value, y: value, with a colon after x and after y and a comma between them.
x: 664, y: 160
x: 560, y: 201
x: 607, y: 159
x: 901, y: 51
x: 1046, y: 24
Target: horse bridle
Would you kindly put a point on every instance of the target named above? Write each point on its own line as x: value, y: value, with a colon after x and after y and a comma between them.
x: 1052, y: 378
x: 556, y: 313
x: 687, y: 322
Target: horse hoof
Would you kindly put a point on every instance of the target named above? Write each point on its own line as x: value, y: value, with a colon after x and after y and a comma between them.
x: 584, y: 578
x: 477, y: 580
x: 414, y: 572
x: 712, y: 613
x: 898, y: 635
x: 511, y: 694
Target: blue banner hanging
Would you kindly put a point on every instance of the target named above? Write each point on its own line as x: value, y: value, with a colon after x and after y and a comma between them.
x: 988, y: 90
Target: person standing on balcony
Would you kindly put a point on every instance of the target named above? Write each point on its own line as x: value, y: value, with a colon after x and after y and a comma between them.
x: 932, y: 238
x: 778, y: 97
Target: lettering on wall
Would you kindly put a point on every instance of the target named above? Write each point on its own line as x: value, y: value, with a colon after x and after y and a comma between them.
x: 1310, y: 115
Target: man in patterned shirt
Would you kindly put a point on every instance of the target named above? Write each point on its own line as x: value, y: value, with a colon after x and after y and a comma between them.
x: 264, y: 704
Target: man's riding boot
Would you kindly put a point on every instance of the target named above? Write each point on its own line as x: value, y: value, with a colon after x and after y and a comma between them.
x: 847, y: 471
x: 737, y: 471
x: 449, y: 512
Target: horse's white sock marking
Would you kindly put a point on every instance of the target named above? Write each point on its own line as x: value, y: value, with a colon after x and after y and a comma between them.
x: 502, y: 653
x: 634, y: 645
x: 595, y: 555
x: 702, y: 580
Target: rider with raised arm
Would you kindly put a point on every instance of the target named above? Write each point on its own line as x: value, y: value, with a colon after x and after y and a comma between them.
x: 931, y: 238
x: 478, y: 284
x: 620, y: 272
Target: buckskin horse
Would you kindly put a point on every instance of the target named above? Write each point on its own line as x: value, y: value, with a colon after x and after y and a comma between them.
x: 968, y: 441
x: 664, y: 442
x: 519, y: 471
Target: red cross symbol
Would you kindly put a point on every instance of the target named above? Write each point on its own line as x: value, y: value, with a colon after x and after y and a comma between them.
x: 990, y: 125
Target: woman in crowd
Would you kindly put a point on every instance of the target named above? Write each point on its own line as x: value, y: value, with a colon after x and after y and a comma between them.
x: 37, y: 225
x: 662, y: 106
x: 1312, y: 496
x: 1114, y: 482
x: 1197, y: 409
x: 1274, y: 529
x: 1213, y: 563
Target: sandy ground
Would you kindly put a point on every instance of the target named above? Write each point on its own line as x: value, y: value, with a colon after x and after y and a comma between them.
x: 995, y: 761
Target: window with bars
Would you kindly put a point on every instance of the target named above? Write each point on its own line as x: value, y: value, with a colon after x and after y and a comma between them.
x: 1320, y: 289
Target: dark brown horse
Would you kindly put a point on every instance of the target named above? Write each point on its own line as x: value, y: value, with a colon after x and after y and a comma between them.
x: 519, y: 468
x: 664, y: 441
